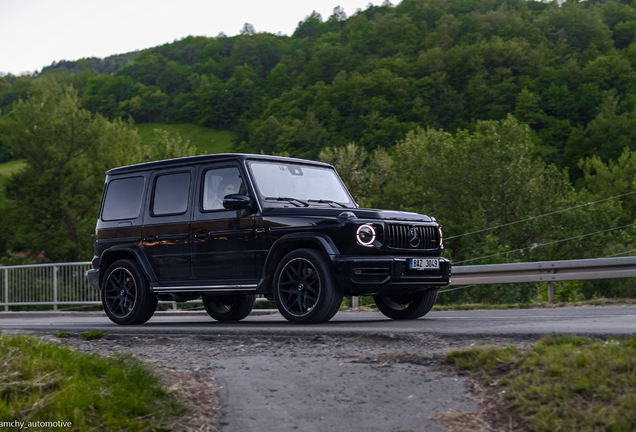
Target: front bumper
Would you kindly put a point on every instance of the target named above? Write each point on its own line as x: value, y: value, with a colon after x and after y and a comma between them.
x: 93, y: 278
x: 360, y: 275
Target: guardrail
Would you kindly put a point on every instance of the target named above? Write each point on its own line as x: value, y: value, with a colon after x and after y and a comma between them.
x: 65, y: 283
x: 47, y: 284
x: 545, y: 271
x: 51, y: 284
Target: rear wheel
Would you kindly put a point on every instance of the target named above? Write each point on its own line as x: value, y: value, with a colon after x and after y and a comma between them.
x: 407, y: 306
x: 304, y: 289
x: 229, y: 308
x: 126, y: 296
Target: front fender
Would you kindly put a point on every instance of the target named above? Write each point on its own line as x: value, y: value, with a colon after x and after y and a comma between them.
x: 283, y: 245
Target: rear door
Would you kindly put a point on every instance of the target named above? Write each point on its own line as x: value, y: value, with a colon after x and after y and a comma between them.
x: 166, y: 229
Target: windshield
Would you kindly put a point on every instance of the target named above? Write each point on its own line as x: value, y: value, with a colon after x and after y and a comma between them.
x: 299, y: 184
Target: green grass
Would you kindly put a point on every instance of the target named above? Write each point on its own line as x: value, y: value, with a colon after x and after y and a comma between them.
x: 563, y: 383
x: 40, y: 381
x: 206, y: 140
x: 59, y: 334
x: 93, y: 335
x: 8, y: 168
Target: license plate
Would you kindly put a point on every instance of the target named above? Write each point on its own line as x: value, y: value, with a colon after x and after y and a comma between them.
x: 423, y: 263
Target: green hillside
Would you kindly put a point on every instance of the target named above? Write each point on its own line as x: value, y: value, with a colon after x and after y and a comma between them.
x: 488, y: 115
x: 567, y: 69
x: 206, y: 140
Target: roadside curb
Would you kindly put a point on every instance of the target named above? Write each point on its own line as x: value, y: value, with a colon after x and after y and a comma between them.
x: 49, y: 314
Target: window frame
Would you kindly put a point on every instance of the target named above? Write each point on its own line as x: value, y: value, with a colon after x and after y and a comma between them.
x: 203, y: 174
x: 105, y: 195
x: 151, y: 208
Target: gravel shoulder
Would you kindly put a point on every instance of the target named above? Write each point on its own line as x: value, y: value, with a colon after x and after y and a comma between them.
x: 261, y: 382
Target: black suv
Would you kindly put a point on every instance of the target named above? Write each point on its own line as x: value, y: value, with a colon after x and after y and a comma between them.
x: 227, y: 227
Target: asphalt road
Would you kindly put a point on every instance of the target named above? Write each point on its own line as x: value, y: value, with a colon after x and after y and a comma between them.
x: 598, y: 321
x: 275, y: 376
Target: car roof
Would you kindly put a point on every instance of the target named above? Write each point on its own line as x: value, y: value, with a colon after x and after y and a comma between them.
x: 193, y: 160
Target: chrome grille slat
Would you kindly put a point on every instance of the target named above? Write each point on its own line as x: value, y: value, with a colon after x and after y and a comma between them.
x: 397, y: 236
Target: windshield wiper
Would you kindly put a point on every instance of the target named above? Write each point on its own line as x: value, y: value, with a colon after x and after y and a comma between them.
x: 328, y: 202
x: 291, y: 200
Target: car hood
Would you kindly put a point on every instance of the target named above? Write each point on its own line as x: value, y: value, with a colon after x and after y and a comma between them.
x: 345, y: 213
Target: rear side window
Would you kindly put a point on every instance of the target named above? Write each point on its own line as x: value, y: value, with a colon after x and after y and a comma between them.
x: 123, y: 199
x: 171, y: 194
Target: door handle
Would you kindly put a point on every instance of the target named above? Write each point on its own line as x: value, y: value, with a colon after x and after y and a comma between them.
x: 260, y: 230
x: 201, y: 235
x: 150, y: 238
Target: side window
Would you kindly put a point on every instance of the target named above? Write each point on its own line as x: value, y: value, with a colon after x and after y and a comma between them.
x: 123, y: 199
x: 170, y: 196
x: 219, y: 182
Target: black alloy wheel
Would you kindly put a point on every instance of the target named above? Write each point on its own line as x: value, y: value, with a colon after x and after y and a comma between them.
x: 229, y: 308
x: 407, y: 306
x: 125, y: 294
x: 304, y: 289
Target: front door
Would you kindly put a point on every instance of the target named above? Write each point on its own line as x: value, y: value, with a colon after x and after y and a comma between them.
x: 166, y: 228
x: 223, y: 240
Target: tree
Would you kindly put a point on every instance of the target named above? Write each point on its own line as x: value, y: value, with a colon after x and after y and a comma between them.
x: 248, y: 30
x: 364, y: 176
x: 167, y: 146
x: 616, y: 177
x: 606, y: 136
x: 310, y: 27
x: 53, y: 201
x: 487, y: 178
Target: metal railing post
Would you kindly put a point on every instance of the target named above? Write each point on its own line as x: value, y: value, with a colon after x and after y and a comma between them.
x: 6, y: 290
x: 54, y: 287
x: 550, y: 292
x: 354, y: 302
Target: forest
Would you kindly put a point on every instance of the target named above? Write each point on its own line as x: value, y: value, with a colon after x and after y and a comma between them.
x: 512, y: 122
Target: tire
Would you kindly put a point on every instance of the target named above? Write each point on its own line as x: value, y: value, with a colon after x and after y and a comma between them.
x: 126, y: 297
x: 407, y: 306
x: 304, y: 289
x: 229, y: 308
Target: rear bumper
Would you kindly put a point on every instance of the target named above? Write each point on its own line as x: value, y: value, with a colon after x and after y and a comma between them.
x: 93, y: 278
x: 383, y: 275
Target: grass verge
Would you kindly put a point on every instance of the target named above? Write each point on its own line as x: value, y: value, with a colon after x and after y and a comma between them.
x: 42, y: 382
x: 563, y: 383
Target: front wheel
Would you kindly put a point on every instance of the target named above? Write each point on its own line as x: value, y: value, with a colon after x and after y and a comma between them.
x: 126, y: 296
x: 406, y: 306
x: 304, y: 289
x: 229, y: 308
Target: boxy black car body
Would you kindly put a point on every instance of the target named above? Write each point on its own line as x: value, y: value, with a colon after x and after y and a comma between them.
x: 225, y: 228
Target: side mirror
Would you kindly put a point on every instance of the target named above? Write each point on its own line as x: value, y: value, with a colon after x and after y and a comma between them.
x: 236, y: 202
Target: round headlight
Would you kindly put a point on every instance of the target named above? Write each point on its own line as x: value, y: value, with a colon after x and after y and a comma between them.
x: 366, y: 235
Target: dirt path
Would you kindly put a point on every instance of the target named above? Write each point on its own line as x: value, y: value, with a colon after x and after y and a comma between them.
x: 377, y: 382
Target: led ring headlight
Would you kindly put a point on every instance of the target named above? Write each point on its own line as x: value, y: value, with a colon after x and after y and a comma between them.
x: 366, y: 235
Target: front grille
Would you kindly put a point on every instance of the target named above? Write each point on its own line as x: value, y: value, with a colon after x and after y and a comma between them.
x: 401, y: 236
